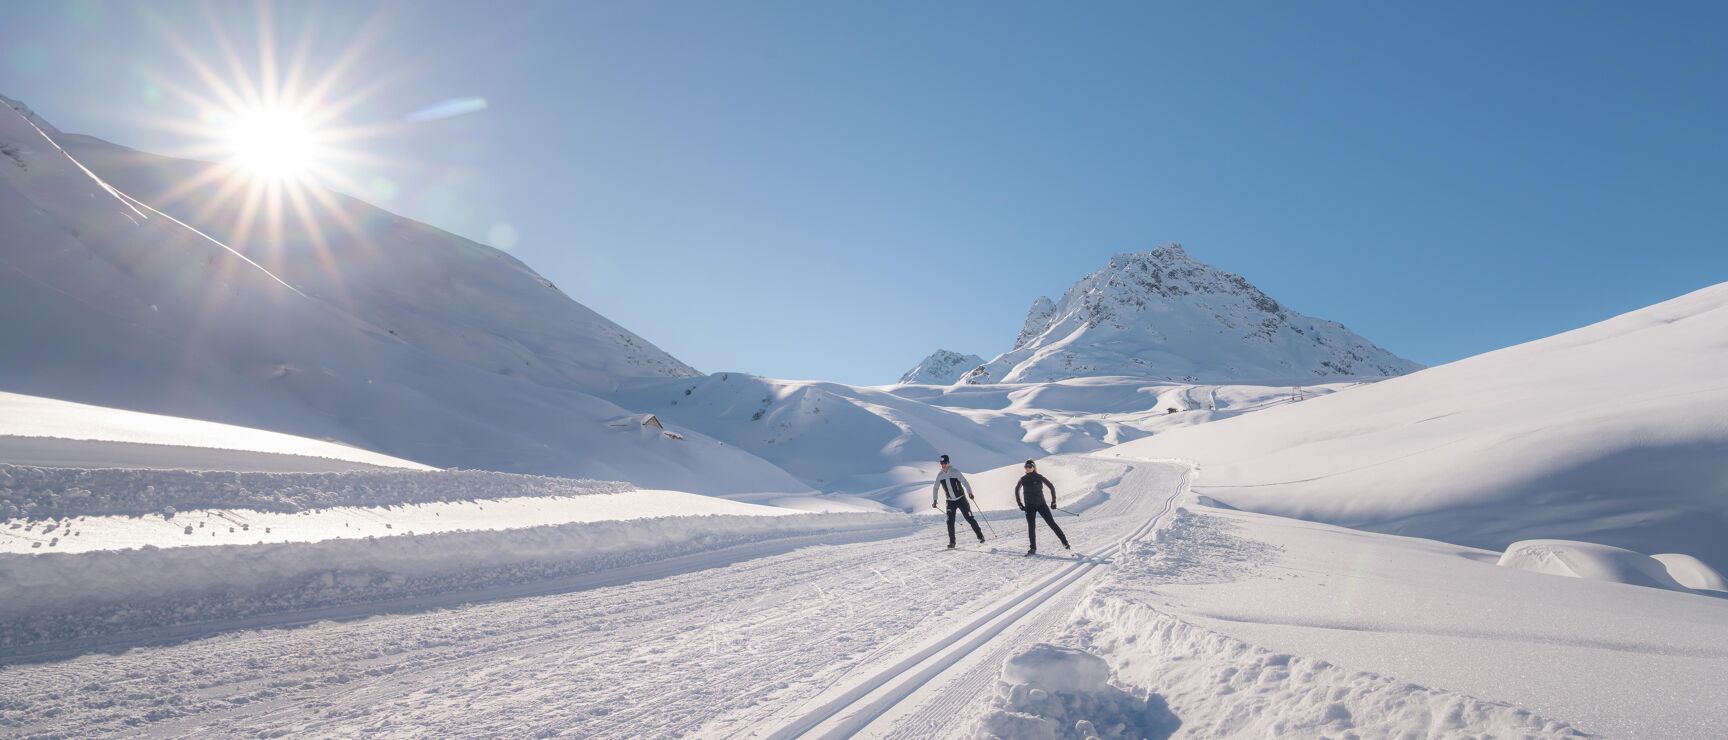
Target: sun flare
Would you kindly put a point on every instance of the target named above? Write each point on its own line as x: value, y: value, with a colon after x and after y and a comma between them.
x: 273, y: 144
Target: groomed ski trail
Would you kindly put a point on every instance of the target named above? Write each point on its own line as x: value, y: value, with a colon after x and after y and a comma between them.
x: 921, y: 694
x: 729, y: 649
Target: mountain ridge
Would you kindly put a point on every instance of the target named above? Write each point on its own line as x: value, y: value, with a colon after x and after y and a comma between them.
x: 1161, y: 314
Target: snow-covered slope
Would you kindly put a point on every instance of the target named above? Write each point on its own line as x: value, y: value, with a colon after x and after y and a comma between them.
x: 942, y: 367
x: 1616, y: 433
x: 883, y: 442
x: 45, y: 432
x: 110, y: 302
x: 433, y: 290
x: 1161, y: 314
x: 833, y: 437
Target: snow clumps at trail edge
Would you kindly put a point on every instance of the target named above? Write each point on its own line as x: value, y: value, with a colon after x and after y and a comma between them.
x: 1048, y: 691
x: 1607, y: 563
x: 1222, y: 687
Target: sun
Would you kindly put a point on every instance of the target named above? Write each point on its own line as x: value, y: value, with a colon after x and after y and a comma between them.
x: 274, y: 144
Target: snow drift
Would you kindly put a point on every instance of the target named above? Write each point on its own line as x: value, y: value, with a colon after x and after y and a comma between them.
x: 1589, y: 560
x: 1615, y: 433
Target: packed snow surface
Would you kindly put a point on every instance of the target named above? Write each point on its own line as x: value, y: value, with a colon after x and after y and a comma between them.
x: 1161, y: 314
x: 1615, y: 433
x: 36, y: 431
x: 942, y: 367
x: 357, y: 326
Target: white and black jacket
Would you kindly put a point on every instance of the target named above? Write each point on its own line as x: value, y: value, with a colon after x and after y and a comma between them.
x: 953, y: 483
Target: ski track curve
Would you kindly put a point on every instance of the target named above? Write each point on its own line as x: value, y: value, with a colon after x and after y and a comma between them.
x: 729, y: 650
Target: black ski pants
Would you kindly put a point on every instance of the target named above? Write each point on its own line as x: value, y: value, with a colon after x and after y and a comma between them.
x: 960, y: 505
x: 1032, y: 512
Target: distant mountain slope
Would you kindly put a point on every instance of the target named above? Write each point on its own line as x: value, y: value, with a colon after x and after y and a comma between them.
x: 883, y: 442
x: 435, y: 291
x: 1615, y: 433
x: 1163, y: 315
x: 942, y: 367
x: 108, y: 301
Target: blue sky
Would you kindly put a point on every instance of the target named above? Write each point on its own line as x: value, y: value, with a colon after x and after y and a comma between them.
x: 833, y: 190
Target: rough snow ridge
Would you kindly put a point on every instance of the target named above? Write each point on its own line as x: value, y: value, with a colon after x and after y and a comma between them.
x: 32, y: 493
x: 1161, y: 314
x: 1222, y: 687
x: 942, y: 367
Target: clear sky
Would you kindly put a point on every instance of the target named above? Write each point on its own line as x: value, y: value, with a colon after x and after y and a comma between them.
x: 833, y: 190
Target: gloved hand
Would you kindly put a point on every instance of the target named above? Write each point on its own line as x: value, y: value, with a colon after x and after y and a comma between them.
x: 1022, y: 508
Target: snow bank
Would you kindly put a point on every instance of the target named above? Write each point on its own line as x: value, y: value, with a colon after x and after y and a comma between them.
x: 1589, y: 560
x: 1222, y: 687
x: 1692, y: 572
x: 1047, y: 691
x: 39, y: 493
x: 52, y: 597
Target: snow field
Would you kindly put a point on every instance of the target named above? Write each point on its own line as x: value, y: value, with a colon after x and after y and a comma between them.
x: 27, y: 422
x: 1615, y: 433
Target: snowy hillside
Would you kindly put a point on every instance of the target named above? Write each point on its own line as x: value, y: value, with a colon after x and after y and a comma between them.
x: 1161, y: 314
x: 883, y: 442
x: 1615, y: 434
x: 123, y: 306
x: 45, y: 432
x: 430, y: 289
x: 942, y: 367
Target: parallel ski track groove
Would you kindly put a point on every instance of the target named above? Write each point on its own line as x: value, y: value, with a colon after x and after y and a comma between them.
x: 857, y: 710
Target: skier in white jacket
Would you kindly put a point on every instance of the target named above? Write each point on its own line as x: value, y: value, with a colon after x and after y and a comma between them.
x: 957, y: 489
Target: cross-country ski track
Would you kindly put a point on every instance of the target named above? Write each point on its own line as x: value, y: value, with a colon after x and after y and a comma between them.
x: 892, y: 636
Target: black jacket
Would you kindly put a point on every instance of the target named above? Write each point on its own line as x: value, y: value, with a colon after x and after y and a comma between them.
x: 1033, y: 485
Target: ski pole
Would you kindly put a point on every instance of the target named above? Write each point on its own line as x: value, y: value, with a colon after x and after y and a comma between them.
x: 1065, y: 511
x: 982, y: 514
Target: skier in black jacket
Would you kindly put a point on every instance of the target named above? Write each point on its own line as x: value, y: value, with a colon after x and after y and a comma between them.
x: 1033, y: 504
x: 957, y: 490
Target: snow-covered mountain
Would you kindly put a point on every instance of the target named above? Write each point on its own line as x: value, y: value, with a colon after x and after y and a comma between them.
x: 359, y: 326
x: 942, y: 367
x: 1613, y: 434
x: 1161, y: 314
